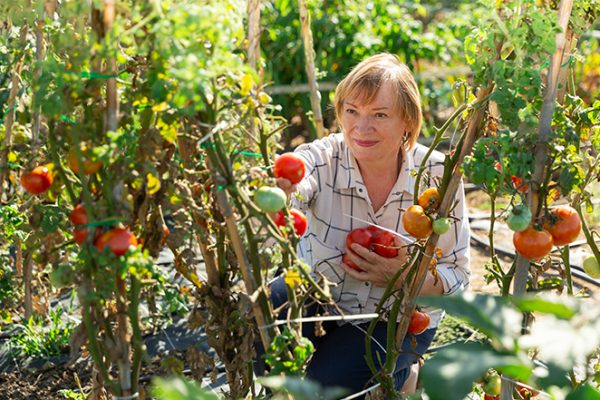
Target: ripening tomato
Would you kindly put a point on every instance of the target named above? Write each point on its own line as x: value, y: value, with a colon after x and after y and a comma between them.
x: 118, y: 240
x: 490, y: 397
x: 383, y: 242
x: 419, y: 322
x: 270, y: 199
x: 300, y: 223
x: 416, y: 222
x: 533, y: 244
x: 37, y: 181
x: 519, y: 218
x: 90, y: 164
x: 430, y: 200
x: 492, y: 384
x: 289, y: 166
x: 519, y: 185
x: 524, y: 392
x: 564, y: 225
x: 441, y: 225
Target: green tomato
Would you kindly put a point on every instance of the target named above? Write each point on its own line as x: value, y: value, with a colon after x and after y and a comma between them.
x: 519, y: 219
x: 591, y: 267
x: 441, y: 225
x: 270, y: 199
x: 492, y: 385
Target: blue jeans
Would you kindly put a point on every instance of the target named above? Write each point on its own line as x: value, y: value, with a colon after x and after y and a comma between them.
x: 339, y: 358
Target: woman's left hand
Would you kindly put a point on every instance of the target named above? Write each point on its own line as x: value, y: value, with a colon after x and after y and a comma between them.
x: 375, y: 268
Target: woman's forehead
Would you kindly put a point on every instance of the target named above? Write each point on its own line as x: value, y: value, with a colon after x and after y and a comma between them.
x: 372, y: 96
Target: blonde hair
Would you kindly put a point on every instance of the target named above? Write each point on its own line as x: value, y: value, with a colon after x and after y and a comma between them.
x: 364, y: 81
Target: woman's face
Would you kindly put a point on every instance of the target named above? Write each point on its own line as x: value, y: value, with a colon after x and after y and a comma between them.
x: 375, y: 131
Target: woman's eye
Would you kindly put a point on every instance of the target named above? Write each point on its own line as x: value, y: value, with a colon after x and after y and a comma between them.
x: 381, y: 115
x: 350, y: 111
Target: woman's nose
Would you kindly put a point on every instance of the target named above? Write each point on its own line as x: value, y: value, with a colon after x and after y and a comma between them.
x: 363, y: 125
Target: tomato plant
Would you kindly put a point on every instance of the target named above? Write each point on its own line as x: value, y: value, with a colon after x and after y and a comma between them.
x: 419, y: 322
x: 289, y: 166
x: 37, y: 181
x: 416, y: 222
x: 300, y: 224
x: 532, y: 243
x: 519, y: 218
x: 117, y: 240
x: 429, y: 200
x: 563, y: 224
x: 270, y: 199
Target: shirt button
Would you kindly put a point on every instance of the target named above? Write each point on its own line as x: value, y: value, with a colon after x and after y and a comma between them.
x: 367, y: 283
x: 360, y: 190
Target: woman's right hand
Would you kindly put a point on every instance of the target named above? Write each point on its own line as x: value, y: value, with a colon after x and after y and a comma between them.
x: 288, y: 187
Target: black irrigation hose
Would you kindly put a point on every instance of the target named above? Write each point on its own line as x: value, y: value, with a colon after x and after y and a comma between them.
x: 576, y: 270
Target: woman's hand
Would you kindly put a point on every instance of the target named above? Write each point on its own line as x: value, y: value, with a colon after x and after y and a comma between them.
x: 375, y: 268
x: 288, y: 187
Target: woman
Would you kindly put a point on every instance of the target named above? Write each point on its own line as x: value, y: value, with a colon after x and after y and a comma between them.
x: 364, y: 174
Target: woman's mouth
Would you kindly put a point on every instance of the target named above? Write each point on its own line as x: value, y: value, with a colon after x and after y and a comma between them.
x: 365, y: 143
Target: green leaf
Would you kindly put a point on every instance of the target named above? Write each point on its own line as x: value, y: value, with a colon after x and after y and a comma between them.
x: 492, y: 315
x: 536, y: 304
x: 179, y: 389
x: 584, y: 392
x: 302, y: 389
x: 450, y: 373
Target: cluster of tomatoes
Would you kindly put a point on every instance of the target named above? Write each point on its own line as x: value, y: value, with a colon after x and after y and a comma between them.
x: 492, y: 386
x: 373, y: 238
x: 273, y: 199
x: 560, y: 227
x: 418, y: 220
x: 38, y: 180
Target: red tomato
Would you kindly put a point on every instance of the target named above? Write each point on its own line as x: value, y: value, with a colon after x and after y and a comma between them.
x: 118, y: 240
x: 564, y: 225
x: 78, y: 216
x: 362, y: 236
x: 416, y: 222
x: 290, y: 167
x: 383, y: 243
x: 533, y: 244
x: 419, y: 322
x: 37, y: 181
x: 300, y: 223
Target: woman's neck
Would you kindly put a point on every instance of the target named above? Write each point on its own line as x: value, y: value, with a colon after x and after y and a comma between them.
x: 384, y: 171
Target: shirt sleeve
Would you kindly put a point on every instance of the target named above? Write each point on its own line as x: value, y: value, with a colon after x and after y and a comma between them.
x: 453, y: 266
x: 316, y: 156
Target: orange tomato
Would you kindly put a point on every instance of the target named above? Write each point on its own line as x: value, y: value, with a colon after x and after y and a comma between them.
x: 37, y: 181
x: 430, y: 200
x: 533, y: 244
x: 416, y: 223
x: 90, y: 164
x: 118, y: 240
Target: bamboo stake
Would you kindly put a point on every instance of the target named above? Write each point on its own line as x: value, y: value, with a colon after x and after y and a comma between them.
x: 544, y: 132
x: 27, y: 279
x: 10, y: 117
x: 315, y: 95
x: 254, y: 35
x: 112, y: 103
x: 40, y: 50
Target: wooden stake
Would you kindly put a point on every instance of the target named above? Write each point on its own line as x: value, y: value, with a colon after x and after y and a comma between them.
x: 315, y: 95
x: 254, y: 35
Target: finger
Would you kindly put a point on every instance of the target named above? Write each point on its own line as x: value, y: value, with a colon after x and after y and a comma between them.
x: 286, y: 185
x: 358, y: 260
x: 358, y: 275
x: 365, y: 253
